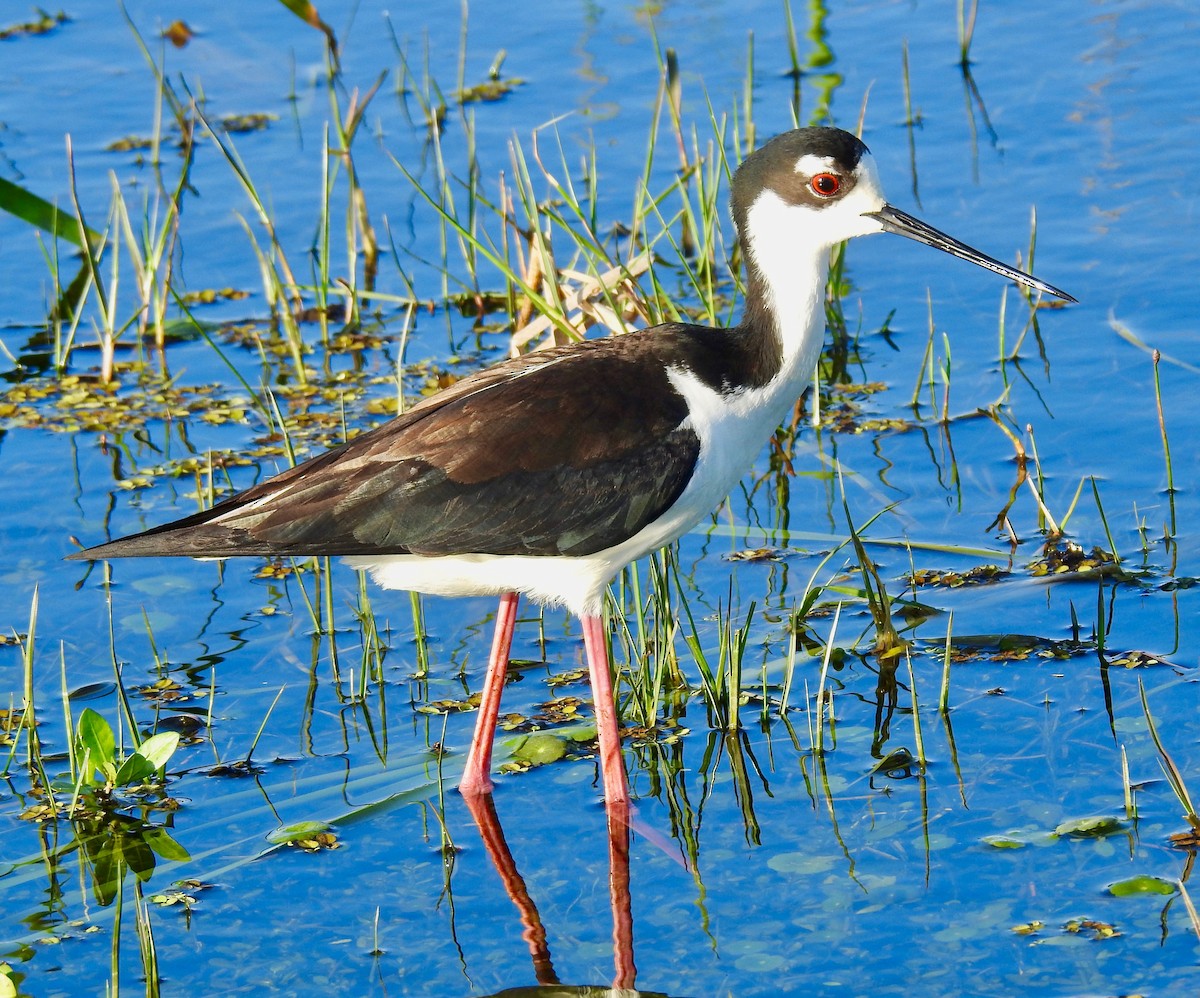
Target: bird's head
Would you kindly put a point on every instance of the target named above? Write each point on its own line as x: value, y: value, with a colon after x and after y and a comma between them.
x: 807, y: 190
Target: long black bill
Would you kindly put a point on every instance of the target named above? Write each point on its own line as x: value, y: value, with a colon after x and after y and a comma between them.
x: 903, y: 224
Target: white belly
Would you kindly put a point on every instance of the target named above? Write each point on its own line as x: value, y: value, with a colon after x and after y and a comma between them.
x: 732, y: 430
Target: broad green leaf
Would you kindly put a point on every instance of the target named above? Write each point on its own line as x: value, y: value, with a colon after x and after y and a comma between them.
x: 158, y: 749
x: 39, y: 212
x: 1142, y: 884
x: 538, y: 749
x: 96, y: 736
x: 135, y: 769
x: 1094, y: 827
x: 157, y: 839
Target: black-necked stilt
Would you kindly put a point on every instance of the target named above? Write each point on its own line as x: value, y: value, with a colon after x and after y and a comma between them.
x: 546, y: 474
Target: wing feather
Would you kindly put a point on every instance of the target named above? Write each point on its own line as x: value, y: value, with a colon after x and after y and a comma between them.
x: 568, y: 451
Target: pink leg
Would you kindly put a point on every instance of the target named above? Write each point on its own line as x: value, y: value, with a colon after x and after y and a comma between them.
x: 616, y: 787
x: 476, y: 777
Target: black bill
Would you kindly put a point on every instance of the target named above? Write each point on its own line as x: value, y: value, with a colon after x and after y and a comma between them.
x: 903, y: 224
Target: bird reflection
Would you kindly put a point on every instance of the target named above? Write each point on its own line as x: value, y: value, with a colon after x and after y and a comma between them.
x: 617, y: 814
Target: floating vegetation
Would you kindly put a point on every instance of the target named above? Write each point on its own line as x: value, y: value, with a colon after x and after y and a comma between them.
x: 1005, y: 842
x: 240, y: 769
x: 77, y: 403
x: 308, y: 836
x: 1096, y: 827
x: 488, y: 90
x: 759, y: 554
x: 446, y: 705
x: 166, y: 690
x: 242, y: 123
x: 1014, y: 647
x: 1092, y: 928
x: 1185, y: 840
x: 11, y: 720
x: 43, y: 24
x: 178, y: 33
x: 981, y: 575
x: 533, y: 750
x: 1137, y: 660
x: 130, y: 143
x: 208, y: 296
x: 494, y: 88
x: 842, y: 409
x: 1068, y: 558
x: 1183, y: 582
x: 1142, y: 884
x: 1088, y: 927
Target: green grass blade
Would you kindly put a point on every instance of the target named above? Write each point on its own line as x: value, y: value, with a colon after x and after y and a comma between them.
x: 39, y: 212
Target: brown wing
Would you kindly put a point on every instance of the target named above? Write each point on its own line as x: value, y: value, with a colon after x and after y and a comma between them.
x: 568, y: 451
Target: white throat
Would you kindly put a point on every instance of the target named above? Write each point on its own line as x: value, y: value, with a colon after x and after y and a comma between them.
x: 794, y: 273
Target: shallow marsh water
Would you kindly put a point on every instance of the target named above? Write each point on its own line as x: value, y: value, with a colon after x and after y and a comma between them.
x: 756, y: 865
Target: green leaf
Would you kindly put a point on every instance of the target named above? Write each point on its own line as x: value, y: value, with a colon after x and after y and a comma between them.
x: 41, y: 213
x: 157, y: 839
x: 133, y: 770
x: 1091, y: 828
x: 538, y: 749
x: 158, y: 749
x: 150, y: 757
x: 1142, y: 884
x: 93, y: 691
x: 108, y: 869
x: 95, y: 735
x: 138, y: 856
x: 300, y: 830
x: 1003, y: 842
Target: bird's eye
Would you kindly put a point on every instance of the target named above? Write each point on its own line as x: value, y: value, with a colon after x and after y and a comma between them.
x: 825, y: 185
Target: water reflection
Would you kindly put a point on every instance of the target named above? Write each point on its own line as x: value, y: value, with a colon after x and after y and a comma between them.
x: 533, y: 932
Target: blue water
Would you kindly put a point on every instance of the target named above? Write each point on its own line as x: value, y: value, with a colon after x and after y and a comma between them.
x: 845, y: 881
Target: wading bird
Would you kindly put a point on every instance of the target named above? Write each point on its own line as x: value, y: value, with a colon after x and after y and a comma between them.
x: 548, y: 473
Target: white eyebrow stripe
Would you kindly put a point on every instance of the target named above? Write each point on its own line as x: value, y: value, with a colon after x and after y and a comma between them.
x: 810, y: 164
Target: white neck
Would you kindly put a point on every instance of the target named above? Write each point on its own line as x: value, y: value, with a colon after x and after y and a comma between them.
x: 793, y: 274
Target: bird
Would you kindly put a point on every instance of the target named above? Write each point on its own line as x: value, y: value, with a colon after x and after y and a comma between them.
x: 548, y: 473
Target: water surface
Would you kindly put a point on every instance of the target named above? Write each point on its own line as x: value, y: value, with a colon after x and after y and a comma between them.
x: 757, y: 866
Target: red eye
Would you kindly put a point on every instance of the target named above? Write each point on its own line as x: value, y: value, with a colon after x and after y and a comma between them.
x: 825, y: 185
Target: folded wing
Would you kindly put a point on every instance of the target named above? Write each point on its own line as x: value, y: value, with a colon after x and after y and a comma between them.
x: 567, y: 451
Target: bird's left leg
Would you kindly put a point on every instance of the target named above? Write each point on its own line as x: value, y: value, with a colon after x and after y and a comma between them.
x: 476, y: 777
